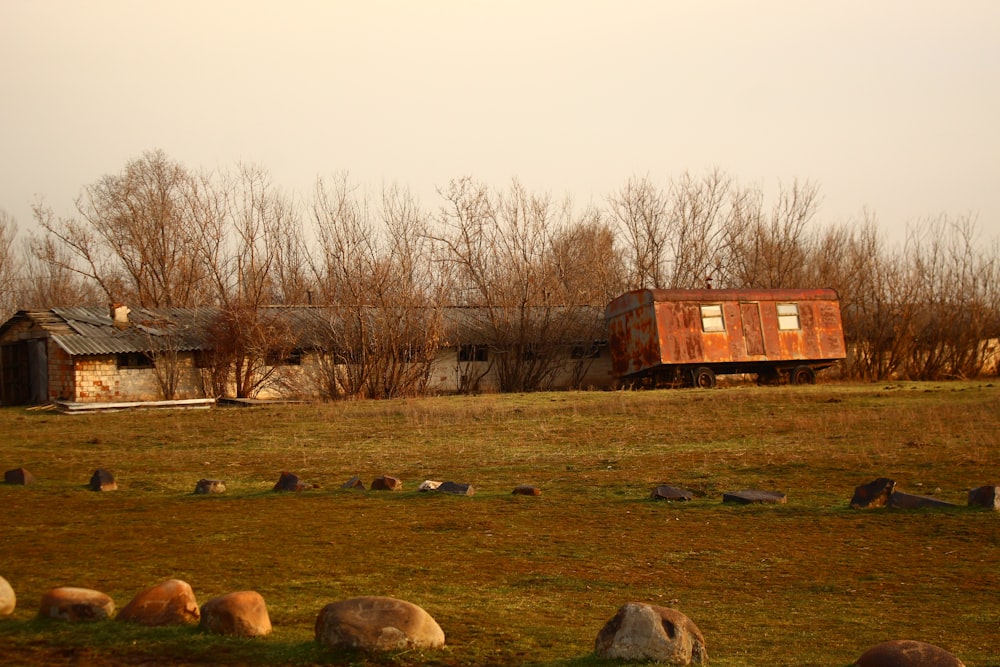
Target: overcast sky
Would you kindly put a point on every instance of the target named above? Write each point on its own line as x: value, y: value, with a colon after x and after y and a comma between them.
x: 889, y: 105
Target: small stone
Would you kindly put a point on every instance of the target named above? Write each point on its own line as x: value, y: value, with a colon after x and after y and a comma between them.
x: 985, y: 496
x: 907, y: 653
x: 526, y: 490
x: 755, y: 497
x: 428, y: 485
x: 374, y: 623
x: 386, y: 483
x: 68, y: 603
x: 908, y: 501
x: 290, y: 482
x: 242, y: 614
x: 206, y: 486
x: 666, y: 492
x: 7, y: 598
x: 642, y: 631
x: 18, y: 476
x: 873, y: 494
x: 103, y: 480
x: 457, y: 489
x: 354, y: 483
x: 169, y: 603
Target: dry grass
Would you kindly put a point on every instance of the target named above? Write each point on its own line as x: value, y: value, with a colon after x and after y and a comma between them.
x: 515, y: 580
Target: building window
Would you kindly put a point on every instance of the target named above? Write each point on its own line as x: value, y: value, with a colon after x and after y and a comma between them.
x: 711, y: 318
x: 472, y: 353
x: 788, y: 316
x: 134, y: 360
x: 277, y: 358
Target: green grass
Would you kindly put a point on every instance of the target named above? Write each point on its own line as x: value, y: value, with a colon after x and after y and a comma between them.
x: 520, y: 580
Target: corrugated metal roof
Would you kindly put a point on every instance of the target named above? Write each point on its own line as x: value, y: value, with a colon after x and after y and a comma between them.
x: 91, y: 331
x: 83, y: 331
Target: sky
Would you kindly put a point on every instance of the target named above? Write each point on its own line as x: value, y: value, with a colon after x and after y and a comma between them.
x: 889, y: 106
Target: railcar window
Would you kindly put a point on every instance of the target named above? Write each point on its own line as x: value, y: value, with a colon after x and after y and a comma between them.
x: 788, y: 316
x: 711, y: 318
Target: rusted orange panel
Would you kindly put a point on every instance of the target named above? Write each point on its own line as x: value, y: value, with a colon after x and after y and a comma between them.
x: 657, y: 328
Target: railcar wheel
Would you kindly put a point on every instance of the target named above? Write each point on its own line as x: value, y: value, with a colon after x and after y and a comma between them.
x: 703, y: 378
x: 803, y: 375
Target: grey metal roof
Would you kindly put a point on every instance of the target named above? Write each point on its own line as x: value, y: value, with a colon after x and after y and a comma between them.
x: 83, y: 331
x: 91, y: 331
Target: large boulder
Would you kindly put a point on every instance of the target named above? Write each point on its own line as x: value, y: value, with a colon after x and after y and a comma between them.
x: 7, y: 598
x: 68, y: 603
x: 985, y: 496
x: 375, y: 623
x: 103, y: 480
x: 243, y: 614
x: 457, y: 489
x: 907, y: 653
x: 386, y: 483
x: 18, y: 476
x: 169, y: 603
x: 289, y: 481
x: 647, y: 632
x: 209, y: 486
x: 873, y: 494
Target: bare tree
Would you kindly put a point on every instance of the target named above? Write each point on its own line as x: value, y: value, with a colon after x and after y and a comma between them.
x: 134, y: 235
x: 245, y: 229
x: 642, y: 212
x: 48, y: 280
x: 504, y: 252
x: 383, y: 318
x: 767, y: 250
x: 588, y: 262
x: 10, y: 267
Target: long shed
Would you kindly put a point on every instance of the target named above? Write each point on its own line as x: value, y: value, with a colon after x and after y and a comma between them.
x: 690, y: 336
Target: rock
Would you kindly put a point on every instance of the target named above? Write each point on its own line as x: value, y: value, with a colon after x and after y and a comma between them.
x: 907, y: 653
x: 908, y: 501
x: 985, y: 496
x: 72, y: 604
x: 169, y: 603
x: 526, y: 490
x: 754, y: 496
x: 103, y: 480
x: 210, y: 486
x: 353, y: 483
x: 18, y: 476
x: 386, y: 483
x: 7, y: 598
x: 457, y: 489
x: 428, y: 485
x: 377, y: 624
x: 873, y: 494
x: 290, y: 482
x: 242, y: 614
x: 646, y: 632
x: 666, y: 492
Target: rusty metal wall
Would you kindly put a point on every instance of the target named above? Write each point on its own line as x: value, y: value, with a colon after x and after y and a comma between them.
x: 652, y: 328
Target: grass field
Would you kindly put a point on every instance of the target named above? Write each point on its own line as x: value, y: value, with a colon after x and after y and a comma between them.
x: 511, y: 579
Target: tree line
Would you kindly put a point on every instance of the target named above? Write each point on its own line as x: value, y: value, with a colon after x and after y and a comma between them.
x: 519, y: 263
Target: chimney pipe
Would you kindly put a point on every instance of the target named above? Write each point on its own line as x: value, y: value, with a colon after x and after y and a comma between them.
x: 119, y: 314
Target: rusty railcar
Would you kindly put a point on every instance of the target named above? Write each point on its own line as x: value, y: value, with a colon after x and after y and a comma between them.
x: 687, y: 337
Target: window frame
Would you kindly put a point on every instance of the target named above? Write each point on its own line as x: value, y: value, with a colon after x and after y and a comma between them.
x: 709, y: 319
x: 785, y: 319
